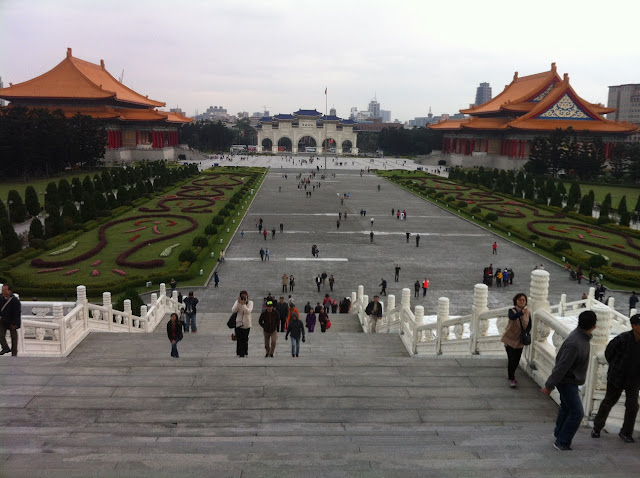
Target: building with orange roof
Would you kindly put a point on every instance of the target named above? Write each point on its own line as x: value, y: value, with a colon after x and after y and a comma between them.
x: 136, y: 129
x: 528, y: 107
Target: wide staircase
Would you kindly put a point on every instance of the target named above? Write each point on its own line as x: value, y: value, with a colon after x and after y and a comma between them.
x: 352, y: 404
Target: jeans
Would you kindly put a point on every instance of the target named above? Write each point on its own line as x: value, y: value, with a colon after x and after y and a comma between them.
x: 295, y: 346
x: 190, y: 322
x: 570, y: 414
x: 514, y: 360
x: 174, y: 349
x: 630, y: 407
x: 14, y: 338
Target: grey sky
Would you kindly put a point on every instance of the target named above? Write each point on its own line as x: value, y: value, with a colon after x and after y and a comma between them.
x: 281, y: 54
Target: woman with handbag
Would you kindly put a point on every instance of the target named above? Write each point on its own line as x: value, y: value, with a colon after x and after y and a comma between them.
x: 242, y: 307
x: 516, y: 335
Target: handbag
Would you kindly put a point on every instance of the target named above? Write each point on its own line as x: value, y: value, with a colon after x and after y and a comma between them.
x: 328, y: 324
x: 233, y: 337
x: 525, y: 335
x: 231, y: 323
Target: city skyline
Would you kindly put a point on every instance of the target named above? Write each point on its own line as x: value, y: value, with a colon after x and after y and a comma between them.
x: 248, y: 55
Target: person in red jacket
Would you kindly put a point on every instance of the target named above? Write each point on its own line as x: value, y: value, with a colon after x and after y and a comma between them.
x: 174, y: 331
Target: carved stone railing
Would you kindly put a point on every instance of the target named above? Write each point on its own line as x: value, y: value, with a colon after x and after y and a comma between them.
x: 480, y: 333
x: 56, y: 328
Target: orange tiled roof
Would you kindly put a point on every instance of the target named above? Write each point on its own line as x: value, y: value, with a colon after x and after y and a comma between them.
x: 448, y: 124
x: 122, y: 114
x: 73, y: 78
x: 518, y: 91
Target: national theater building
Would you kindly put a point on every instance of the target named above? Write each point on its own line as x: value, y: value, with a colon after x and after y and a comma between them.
x: 530, y: 106
x: 136, y: 129
x: 307, y: 131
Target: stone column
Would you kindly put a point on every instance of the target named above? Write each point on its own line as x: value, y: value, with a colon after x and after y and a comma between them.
x: 417, y: 336
x: 106, y: 302
x: 597, y: 374
x: 143, y: 312
x: 81, y: 294
x: 127, y: 311
x: 391, y: 304
x: 58, y: 317
x: 538, y: 300
x: 478, y: 327
x: 163, y: 289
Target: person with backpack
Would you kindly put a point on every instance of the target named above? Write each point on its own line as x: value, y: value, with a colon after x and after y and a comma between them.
x: 296, y: 330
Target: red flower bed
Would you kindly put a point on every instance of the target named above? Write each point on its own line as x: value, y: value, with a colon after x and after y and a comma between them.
x: 96, y: 263
x: 136, y: 229
x: 133, y: 238
x: 54, y: 269
x: 72, y: 271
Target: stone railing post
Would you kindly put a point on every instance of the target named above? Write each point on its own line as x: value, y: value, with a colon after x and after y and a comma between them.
x: 163, y: 293
x: 58, y: 317
x: 633, y: 312
x: 156, y: 312
x: 176, y: 304
x: 538, y: 300
x: 591, y: 297
x: 127, y: 312
x: 600, y: 339
x: 143, y: 314
x: 353, y: 301
x: 562, y: 309
x: 478, y: 327
x: 106, y: 302
x: 442, y: 315
x: 81, y: 294
x: 419, y: 315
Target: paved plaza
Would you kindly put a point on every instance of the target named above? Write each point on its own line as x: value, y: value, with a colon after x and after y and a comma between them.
x: 352, y: 404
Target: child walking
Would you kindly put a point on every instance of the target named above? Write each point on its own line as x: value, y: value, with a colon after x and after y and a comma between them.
x: 296, y: 330
x: 174, y: 331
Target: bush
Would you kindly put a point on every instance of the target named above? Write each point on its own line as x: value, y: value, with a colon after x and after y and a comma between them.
x: 597, y: 260
x: 534, y: 237
x: 136, y: 301
x: 492, y: 216
x: 439, y: 194
x: 210, y: 230
x: 462, y: 204
x: 217, y: 220
x: 475, y: 209
x: 561, y: 246
x: 604, y: 220
x: 187, y: 255
x: 200, y: 241
x: 225, y: 213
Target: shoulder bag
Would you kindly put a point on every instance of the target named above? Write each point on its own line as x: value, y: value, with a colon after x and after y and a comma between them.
x: 525, y: 334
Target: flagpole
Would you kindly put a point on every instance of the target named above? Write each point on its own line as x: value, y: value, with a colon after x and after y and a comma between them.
x: 325, y: 128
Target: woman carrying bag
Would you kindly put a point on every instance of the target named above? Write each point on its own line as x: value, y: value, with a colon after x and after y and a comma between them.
x: 517, y: 330
x: 243, y: 307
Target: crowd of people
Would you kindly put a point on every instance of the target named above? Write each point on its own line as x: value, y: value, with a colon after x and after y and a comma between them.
x: 503, y: 277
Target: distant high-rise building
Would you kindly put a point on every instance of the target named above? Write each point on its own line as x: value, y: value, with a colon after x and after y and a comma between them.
x: 483, y: 93
x: 332, y: 112
x: 176, y: 110
x: 385, y: 115
x: 374, y: 108
x: 353, y: 113
x: 626, y: 100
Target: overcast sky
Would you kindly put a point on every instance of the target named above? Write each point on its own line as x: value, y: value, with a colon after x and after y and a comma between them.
x: 245, y: 55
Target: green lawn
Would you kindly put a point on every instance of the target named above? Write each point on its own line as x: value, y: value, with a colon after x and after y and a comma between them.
x: 183, y: 202
x: 600, y: 191
x: 40, y: 185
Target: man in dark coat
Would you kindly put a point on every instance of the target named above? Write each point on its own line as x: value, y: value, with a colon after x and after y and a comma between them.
x: 623, y: 355
x: 374, y: 311
x: 270, y: 321
x: 283, y: 311
x: 10, y: 319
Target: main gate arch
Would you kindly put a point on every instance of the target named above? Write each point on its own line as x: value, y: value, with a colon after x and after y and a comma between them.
x: 285, y: 144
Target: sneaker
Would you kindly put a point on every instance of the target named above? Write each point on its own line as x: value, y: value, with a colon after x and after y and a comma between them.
x: 512, y: 383
x: 595, y: 433
x: 559, y: 446
x: 626, y: 438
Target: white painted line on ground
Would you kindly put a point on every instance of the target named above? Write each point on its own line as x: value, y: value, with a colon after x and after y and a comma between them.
x: 321, y: 259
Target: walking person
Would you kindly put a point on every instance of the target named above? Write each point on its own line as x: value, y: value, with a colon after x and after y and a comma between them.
x: 243, y: 308
x: 495, y: 248
x: 296, y: 330
x: 331, y: 282
x: 318, y: 282
x: 371, y: 236
x: 416, y: 288
x: 262, y: 254
x: 285, y: 282
x: 383, y: 284
x: 633, y: 301
x: 266, y: 254
x: 323, y: 320
x: 270, y: 322
x: 264, y: 233
x: 190, y: 304
x: 311, y: 321
x: 397, y: 275
x: 569, y: 372
x: 374, y: 311
x: 425, y: 286
x: 216, y: 279
x: 10, y: 319
x: 519, y: 321
x: 623, y: 355
x: 282, y: 308
x: 292, y: 283
x: 173, y: 285
x: 174, y: 331
x: 281, y: 228
x: 417, y: 240
x: 408, y: 235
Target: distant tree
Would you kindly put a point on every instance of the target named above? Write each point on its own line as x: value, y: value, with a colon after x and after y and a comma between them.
x: 76, y: 189
x: 53, y: 224
x: 36, y: 230
x: 64, y: 191
x: 70, y: 214
x: 107, y: 181
x: 10, y: 241
x: 87, y: 186
x: 88, y: 207
x: 574, y: 194
x: 625, y: 217
x: 31, y: 201
x: 17, y: 210
x: 556, y: 199
x: 586, y: 205
x: 52, y: 202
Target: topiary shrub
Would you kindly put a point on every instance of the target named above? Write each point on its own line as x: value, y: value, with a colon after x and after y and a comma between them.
x: 187, y: 255
x: 462, y: 204
x: 492, y: 216
x: 534, y: 237
x: 561, y: 246
x: 217, y: 220
x: 210, y: 230
x: 225, y: 213
x: 200, y: 241
x: 439, y: 194
x: 132, y: 295
x: 597, y: 260
x: 475, y: 209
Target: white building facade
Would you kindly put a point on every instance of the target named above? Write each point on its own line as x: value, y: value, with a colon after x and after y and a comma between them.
x: 307, y: 131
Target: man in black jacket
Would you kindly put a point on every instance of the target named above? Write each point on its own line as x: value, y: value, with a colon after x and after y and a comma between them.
x: 10, y: 319
x: 283, y: 310
x: 374, y: 311
x: 623, y: 355
x: 269, y: 321
x: 569, y: 372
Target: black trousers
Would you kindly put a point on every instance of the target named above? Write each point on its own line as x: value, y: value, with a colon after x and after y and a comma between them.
x: 14, y: 338
x: 630, y: 407
x: 242, y: 341
x: 514, y: 360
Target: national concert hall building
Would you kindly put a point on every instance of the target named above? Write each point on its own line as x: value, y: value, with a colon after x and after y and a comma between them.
x: 136, y: 129
x: 530, y: 106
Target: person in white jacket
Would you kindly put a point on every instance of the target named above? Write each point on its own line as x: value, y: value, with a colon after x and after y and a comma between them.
x: 243, y: 307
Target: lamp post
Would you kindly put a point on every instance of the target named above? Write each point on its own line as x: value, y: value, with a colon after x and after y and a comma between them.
x: 9, y: 203
x: 44, y: 205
